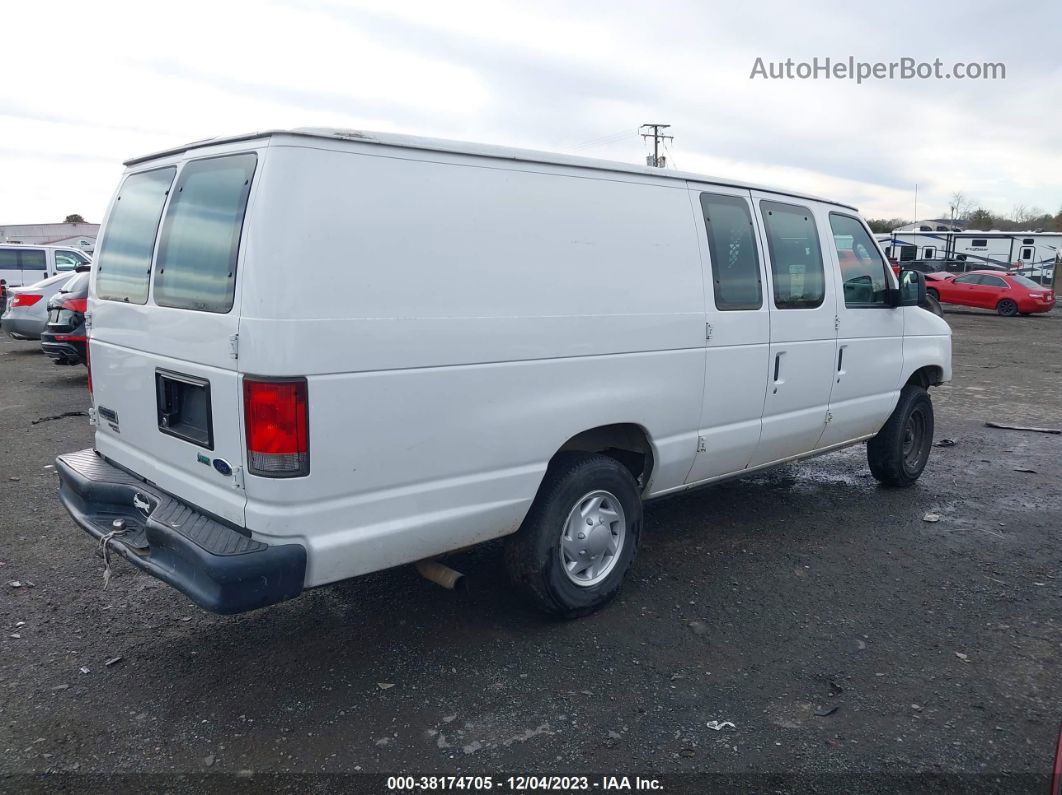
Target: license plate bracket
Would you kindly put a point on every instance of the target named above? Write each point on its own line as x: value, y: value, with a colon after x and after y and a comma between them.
x: 183, y: 403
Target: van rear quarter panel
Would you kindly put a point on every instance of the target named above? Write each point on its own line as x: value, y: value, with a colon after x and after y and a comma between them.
x: 458, y: 319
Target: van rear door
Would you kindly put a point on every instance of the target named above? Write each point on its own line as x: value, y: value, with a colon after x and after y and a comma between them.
x: 164, y: 324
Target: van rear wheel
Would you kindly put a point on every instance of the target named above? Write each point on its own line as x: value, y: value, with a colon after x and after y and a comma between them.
x: 573, y: 549
x: 900, y: 451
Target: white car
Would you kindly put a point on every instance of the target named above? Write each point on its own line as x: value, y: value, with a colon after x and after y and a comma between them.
x: 527, y: 345
x: 26, y: 314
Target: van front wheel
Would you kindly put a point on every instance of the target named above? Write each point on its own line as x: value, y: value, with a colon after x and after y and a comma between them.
x: 573, y: 549
x: 898, y: 454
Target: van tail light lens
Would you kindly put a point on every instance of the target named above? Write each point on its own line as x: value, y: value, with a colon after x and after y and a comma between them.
x: 276, y: 416
x: 25, y: 299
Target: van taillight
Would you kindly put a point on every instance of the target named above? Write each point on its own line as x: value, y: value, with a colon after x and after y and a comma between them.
x: 278, y: 439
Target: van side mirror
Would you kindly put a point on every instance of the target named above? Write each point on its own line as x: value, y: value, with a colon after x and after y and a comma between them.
x: 912, y: 290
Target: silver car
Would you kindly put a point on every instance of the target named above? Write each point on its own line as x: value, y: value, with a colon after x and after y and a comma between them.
x: 26, y: 314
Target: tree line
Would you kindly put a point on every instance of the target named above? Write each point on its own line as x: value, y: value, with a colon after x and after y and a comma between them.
x: 964, y: 212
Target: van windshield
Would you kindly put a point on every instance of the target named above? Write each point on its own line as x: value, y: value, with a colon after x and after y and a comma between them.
x: 196, y: 266
x: 124, y: 262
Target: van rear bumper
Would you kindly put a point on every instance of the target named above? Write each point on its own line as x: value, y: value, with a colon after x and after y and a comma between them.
x: 213, y: 563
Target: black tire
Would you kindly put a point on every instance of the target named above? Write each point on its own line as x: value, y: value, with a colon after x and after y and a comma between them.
x: 933, y: 305
x: 1007, y: 308
x: 900, y: 451
x: 533, y: 555
x: 932, y: 293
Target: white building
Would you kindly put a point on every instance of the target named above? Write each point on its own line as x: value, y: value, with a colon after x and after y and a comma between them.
x: 76, y: 235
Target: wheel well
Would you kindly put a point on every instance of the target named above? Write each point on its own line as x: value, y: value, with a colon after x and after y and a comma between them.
x: 626, y: 442
x: 925, y: 377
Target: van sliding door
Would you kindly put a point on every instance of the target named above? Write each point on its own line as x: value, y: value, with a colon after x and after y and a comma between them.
x: 799, y: 373
x: 737, y: 332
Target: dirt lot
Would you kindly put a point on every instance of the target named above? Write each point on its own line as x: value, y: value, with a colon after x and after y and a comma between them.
x: 768, y: 602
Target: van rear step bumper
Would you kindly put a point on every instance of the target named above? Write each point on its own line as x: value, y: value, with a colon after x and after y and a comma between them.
x: 215, y: 565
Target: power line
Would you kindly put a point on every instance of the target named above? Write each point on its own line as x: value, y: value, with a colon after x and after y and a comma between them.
x: 657, y: 136
x: 671, y: 155
x: 603, y: 140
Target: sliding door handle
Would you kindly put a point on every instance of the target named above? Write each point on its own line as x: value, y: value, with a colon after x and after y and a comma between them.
x: 777, y: 370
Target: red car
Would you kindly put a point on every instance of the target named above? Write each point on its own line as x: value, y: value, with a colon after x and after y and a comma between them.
x: 1008, y: 293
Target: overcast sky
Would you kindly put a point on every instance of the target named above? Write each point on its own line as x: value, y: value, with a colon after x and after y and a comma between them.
x: 88, y: 85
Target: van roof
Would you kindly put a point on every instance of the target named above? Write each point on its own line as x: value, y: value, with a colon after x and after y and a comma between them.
x: 12, y: 244
x: 483, y: 150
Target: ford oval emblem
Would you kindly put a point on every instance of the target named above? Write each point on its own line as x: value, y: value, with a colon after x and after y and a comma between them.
x: 222, y: 466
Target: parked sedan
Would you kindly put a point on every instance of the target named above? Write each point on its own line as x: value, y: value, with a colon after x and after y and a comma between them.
x: 27, y: 307
x: 1008, y: 293
x: 64, y: 338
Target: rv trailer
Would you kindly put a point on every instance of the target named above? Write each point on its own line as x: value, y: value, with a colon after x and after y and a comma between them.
x: 1032, y: 254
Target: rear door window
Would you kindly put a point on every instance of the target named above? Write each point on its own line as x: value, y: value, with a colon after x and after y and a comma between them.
x: 124, y: 262
x: 196, y: 265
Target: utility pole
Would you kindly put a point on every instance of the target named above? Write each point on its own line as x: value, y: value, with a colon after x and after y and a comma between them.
x: 655, y: 159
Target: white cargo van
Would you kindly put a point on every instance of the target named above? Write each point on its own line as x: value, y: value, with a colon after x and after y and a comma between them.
x: 22, y: 265
x: 318, y: 353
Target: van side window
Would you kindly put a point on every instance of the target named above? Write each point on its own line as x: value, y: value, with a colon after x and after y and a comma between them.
x: 796, y: 257
x: 862, y: 266
x: 33, y: 259
x: 731, y: 243
x: 125, y: 254
x: 196, y: 267
x: 30, y: 259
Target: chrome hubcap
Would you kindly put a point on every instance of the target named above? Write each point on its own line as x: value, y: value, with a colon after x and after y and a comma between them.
x: 592, y: 538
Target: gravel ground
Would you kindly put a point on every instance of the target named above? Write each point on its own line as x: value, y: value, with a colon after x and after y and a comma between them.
x: 836, y: 629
